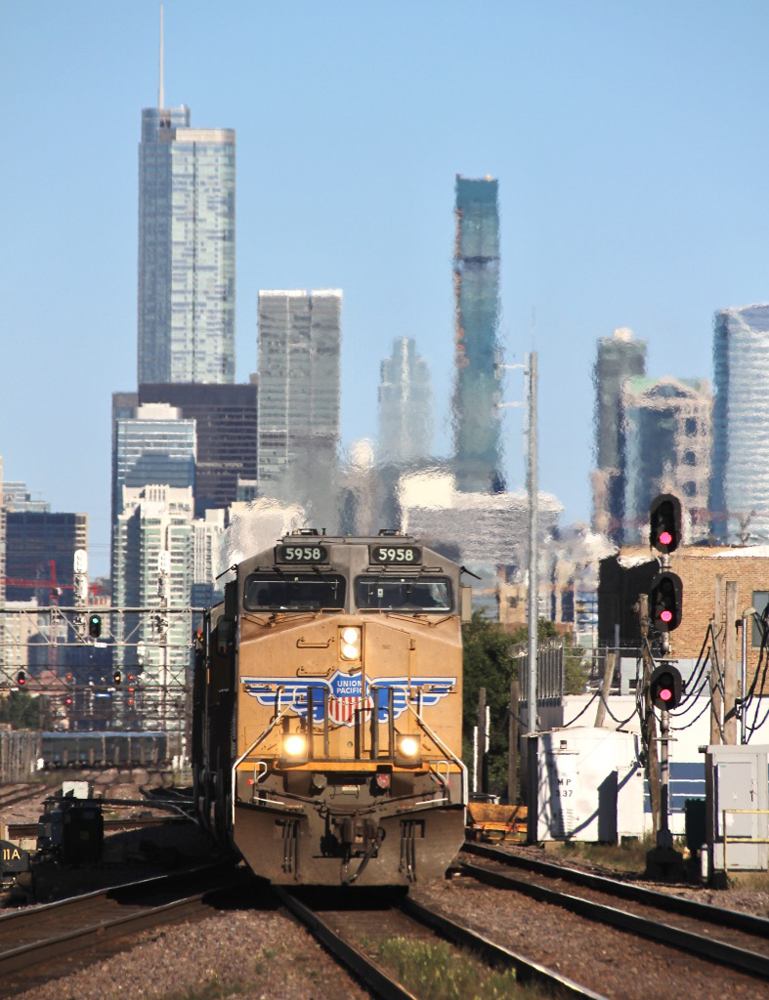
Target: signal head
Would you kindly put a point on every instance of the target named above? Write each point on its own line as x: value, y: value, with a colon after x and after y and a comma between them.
x: 665, y: 523
x: 665, y: 601
x: 94, y: 625
x: 666, y: 687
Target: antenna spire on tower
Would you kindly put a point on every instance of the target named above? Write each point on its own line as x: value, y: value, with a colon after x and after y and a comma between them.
x: 161, y: 92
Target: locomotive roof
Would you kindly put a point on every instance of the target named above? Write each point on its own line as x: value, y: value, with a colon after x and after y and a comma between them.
x: 305, y: 538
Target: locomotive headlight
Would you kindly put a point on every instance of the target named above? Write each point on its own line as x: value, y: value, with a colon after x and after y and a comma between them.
x: 349, y: 643
x: 408, y: 751
x: 294, y: 748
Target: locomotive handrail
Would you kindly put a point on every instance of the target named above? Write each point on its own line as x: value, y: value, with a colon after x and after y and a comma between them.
x: 253, y: 747
x: 444, y: 781
x: 300, y: 644
x: 439, y: 743
x: 262, y: 773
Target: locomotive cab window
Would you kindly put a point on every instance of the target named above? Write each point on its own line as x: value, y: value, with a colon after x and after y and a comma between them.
x: 411, y: 595
x: 292, y: 592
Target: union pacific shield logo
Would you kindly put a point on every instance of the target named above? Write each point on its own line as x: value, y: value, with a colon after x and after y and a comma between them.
x: 346, y: 699
x: 345, y: 695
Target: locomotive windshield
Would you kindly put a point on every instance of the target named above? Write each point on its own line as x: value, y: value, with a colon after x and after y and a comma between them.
x: 291, y: 592
x: 403, y: 594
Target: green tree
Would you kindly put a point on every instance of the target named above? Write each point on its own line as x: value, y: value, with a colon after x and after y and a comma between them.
x: 21, y: 710
x: 490, y: 662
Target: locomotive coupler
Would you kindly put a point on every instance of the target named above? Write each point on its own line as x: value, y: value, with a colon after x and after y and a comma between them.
x: 359, y: 836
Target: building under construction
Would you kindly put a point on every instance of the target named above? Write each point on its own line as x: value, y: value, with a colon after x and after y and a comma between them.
x: 477, y: 449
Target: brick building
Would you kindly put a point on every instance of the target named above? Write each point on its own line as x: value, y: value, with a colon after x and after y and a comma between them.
x: 624, y: 576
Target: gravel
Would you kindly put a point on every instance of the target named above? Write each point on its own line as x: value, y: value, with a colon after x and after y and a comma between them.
x: 608, y: 961
x: 249, y: 953
x: 246, y: 954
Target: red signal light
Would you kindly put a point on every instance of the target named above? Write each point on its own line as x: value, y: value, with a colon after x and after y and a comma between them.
x: 665, y: 523
x: 666, y: 616
x: 666, y: 687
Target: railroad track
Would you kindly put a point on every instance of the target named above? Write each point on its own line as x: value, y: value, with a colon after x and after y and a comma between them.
x: 22, y: 831
x: 68, y: 932
x: 15, y: 794
x: 726, y: 937
x: 351, y: 933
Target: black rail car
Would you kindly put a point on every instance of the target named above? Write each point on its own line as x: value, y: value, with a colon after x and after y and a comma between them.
x: 107, y: 749
x: 327, y: 711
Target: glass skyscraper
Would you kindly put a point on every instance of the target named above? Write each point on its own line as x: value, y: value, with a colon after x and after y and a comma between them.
x: 477, y: 447
x: 298, y: 421
x: 153, y: 445
x: 739, y: 493
x: 186, y: 250
x: 619, y: 358
x: 405, y: 416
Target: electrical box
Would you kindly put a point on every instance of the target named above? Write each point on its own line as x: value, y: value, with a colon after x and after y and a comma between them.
x: 587, y: 784
x: 737, y: 807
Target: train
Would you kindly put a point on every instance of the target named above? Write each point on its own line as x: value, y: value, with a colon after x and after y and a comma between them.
x: 327, y: 711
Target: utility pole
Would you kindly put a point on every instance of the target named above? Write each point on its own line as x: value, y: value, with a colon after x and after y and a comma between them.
x: 164, y: 595
x: 716, y: 700
x: 483, y: 738
x: 533, y: 488
x: 650, y: 722
x: 730, y: 664
x: 512, y: 744
x: 81, y: 591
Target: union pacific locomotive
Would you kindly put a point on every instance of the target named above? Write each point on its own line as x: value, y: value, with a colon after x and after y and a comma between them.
x: 327, y: 710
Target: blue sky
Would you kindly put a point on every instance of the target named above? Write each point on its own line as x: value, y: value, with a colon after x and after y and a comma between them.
x: 629, y: 139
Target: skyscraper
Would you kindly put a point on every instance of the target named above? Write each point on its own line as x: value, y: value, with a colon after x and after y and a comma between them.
x: 153, y: 446
x: 34, y: 540
x: 186, y: 248
x: 619, y: 358
x: 225, y: 424
x: 739, y: 497
x: 405, y: 418
x: 156, y: 528
x: 298, y: 421
x: 667, y: 446
x: 477, y: 449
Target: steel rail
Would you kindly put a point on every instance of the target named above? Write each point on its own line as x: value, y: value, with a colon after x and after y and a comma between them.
x: 526, y: 969
x: 19, y: 831
x: 99, y: 925
x: 369, y: 972
x: 385, y: 986
x: 706, y: 947
x: 734, y: 919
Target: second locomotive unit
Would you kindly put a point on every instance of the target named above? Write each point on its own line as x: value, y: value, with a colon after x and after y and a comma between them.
x: 327, y: 711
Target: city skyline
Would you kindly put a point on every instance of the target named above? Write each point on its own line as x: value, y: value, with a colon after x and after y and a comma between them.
x: 618, y: 204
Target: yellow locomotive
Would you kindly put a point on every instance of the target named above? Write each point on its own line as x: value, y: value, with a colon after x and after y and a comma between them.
x: 327, y: 710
